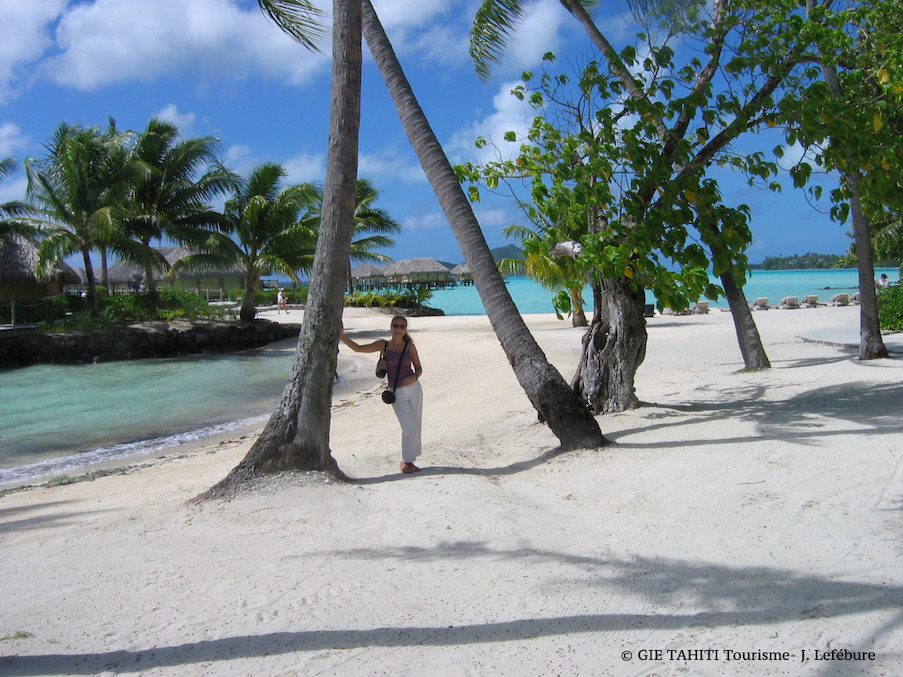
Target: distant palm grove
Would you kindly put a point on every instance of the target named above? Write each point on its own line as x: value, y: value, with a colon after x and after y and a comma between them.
x: 104, y: 193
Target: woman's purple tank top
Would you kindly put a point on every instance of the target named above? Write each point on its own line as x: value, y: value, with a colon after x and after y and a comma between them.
x: 392, y: 364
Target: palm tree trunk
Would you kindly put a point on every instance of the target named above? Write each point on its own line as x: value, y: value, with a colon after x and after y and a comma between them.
x: 557, y: 404
x: 297, y: 435
x: 92, y: 285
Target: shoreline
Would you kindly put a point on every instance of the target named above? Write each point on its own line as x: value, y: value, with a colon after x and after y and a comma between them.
x: 356, y: 380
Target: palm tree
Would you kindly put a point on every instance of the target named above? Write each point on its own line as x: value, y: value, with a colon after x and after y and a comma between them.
x: 11, y: 212
x: 75, y: 191
x: 371, y: 225
x: 555, y: 273
x: 297, y: 434
x: 169, y: 199
x: 263, y: 230
x: 555, y: 401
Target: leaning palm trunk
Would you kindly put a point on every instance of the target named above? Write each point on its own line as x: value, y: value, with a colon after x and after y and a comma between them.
x: 297, y: 435
x: 613, y: 348
x: 567, y: 417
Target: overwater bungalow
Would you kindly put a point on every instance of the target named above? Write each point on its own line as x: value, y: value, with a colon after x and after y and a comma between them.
x: 418, y: 273
x: 461, y: 274
x: 367, y: 277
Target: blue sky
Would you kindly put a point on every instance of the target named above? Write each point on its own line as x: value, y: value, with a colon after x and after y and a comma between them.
x: 218, y: 67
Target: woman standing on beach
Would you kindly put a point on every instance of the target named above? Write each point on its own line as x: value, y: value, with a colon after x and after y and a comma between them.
x: 402, y: 360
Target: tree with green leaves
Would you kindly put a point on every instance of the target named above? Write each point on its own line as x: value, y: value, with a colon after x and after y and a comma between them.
x: 171, y: 197
x: 296, y: 437
x: 76, y: 192
x: 266, y: 227
x: 634, y: 164
x: 851, y: 122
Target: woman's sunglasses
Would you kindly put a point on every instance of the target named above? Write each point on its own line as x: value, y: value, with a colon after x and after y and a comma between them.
x: 399, y: 326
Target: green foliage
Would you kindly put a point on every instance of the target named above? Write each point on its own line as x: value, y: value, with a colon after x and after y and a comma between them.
x: 127, y: 308
x: 890, y: 308
x: 408, y: 298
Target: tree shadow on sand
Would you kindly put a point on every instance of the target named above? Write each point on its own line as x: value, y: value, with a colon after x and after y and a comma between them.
x: 861, y: 407
x: 700, y: 596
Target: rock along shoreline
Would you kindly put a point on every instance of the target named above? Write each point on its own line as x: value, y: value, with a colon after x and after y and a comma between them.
x: 24, y: 347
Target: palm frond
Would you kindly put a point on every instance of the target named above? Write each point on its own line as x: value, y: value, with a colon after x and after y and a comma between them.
x: 300, y: 19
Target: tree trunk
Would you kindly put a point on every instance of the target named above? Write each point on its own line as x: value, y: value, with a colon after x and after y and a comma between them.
x: 297, y: 435
x: 871, y: 345
x: 751, y: 347
x: 104, y: 270
x: 248, y: 305
x: 558, y: 405
x: 92, y: 285
x: 578, y: 317
x: 613, y: 348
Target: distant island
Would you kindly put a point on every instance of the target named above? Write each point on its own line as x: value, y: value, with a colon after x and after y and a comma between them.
x: 811, y: 261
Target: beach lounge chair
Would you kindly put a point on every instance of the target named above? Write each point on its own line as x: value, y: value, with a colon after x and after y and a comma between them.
x: 809, y: 301
x: 760, y: 304
x: 789, y: 302
x: 701, y: 308
x: 840, y: 300
x: 854, y: 299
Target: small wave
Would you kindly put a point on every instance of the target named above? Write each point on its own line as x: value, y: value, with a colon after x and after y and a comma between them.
x: 62, y: 465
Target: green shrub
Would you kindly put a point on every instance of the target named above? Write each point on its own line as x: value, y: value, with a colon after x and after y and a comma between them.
x: 890, y: 308
x: 409, y: 298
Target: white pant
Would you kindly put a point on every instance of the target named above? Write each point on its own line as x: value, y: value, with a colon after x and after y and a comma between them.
x: 408, y: 408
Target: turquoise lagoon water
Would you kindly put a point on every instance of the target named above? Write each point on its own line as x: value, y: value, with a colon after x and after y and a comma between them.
x: 58, y: 418
x: 772, y: 284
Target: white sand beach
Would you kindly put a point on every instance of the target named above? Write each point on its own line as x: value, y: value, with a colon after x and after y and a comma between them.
x: 740, y: 524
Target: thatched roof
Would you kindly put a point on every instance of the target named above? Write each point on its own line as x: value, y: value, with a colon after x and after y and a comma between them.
x: 409, y: 266
x: 461, y: 269
x: 366, y: 270
x: 124, y: 272
x: 18, y: 257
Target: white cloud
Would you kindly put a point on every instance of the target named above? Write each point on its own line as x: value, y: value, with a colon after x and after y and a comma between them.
x: 114, y: 41
x: 183, y: 121
x: 511, y: 114
x: 24, y: 36
x: 394, y: 13
x: 387, y: 165
x: 306, y: 167
x: 429, y: 221
x: 493, y: 218
x: 11, y: 139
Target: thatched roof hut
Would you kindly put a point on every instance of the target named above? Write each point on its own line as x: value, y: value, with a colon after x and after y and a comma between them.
x: 19, y: 281
x: 123, y: 273
x: 414, y: 271
x: 365, y: 271
x: 461, y: 272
